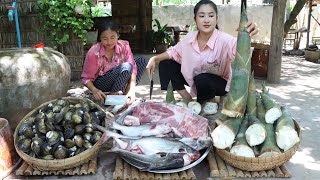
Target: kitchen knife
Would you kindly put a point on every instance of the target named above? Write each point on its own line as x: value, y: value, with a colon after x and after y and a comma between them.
x: 151, y: 86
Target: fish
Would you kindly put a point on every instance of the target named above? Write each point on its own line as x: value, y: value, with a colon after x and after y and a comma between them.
x: 154, y: 161
x: 110, y: 134
x: 197, y: 144
x: 155, y: 145
x: 141, y: 130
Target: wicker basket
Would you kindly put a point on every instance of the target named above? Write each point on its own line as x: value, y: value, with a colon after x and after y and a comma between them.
x: 259, y: 163
x: 58, y: 164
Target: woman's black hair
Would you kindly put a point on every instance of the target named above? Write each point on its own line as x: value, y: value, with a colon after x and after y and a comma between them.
x: 107, y: 25
x: 204, y: 2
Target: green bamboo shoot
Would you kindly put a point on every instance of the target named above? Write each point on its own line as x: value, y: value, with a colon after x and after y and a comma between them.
x: 269, y: 147
x: 252, y: 100
x: 221, y: 119
x: 286, y: 135
x: 273, y: 111
x: 241, y: 147
x: 170, y: 96
x: 236, y: 101
x: 223, y: 136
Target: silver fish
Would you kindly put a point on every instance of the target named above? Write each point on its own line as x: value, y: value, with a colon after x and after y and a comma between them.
x: 155, y: 145
x: 141, y: 130
x: 110, y: 134
x: 153, y: 161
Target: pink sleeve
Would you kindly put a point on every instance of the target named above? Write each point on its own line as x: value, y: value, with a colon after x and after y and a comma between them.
x: 175, y: 52
x: 90, y: 68
x: 129, y: 57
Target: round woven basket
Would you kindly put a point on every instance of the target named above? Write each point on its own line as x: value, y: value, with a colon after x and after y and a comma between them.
x: 58, y: 164
x: 259, y: 163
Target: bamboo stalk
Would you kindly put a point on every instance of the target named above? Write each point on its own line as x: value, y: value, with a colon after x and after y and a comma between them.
x: 44, y: 173
x: 247, y: 174
x: 270, y: 173
x: 239, y: 173
x: 183, y: 175
x: 252, y: 101
x: 143, y: 175
x: 92, y: 169
x: 76, y: 171
x: 278, y: 172
x: 36, y: 172
x: 118, y: 173
x: 191, y: 174
x: 256, y: 132
x: 126, y: 171
x: 150, y: 176
x: 213, y: 166
x: 22, y: 168
x: 263, y: 174
x: 285, y: 171
x: 166, y: 176
x: 175, y: 176
x: 273, y: 111
x: 158, y: 176
x: 60, y: 172
x: 254, y: 174
x: 134, y: 173
x: 231, y: 171
x: 222, y: 167
x: 236, y: 101
x: 28, y: 171
x: 84, y: 169
x: 69, y: 172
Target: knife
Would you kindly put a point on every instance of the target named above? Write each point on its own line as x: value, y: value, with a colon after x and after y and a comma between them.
x: 151, y: 86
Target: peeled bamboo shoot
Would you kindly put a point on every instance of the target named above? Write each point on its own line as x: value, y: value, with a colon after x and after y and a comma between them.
x: 273, y: 111
x: 256, y: 132
x: 236, y: 101
x: 286, y: 135
x: 223, y: 136
x: 170, y: 95
x: 241, y: 147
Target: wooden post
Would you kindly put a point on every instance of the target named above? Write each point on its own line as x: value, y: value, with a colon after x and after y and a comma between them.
x: 274, y: 64
x: 309, y: 20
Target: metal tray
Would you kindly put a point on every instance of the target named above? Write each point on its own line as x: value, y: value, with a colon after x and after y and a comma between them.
x: 204, y: 153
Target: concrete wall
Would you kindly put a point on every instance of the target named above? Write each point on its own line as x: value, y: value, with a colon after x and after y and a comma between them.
x: 229, y: 15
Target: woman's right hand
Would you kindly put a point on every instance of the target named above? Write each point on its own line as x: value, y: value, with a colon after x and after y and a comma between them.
x: 151, y: 66
x: 98, y: 94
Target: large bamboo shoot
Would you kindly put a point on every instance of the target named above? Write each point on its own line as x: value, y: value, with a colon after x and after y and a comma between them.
x: 286, y: 135
x: 241, y: 147
x: 256, y: 132
x: 273, y: 111
x: 223, y: 136
x: 236, y: 101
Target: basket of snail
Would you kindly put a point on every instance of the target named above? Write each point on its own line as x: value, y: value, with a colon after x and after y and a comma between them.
x: 261, y: 163
x: 59, y: 134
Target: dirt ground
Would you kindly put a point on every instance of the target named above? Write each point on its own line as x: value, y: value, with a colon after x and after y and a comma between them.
x: 299, y: 90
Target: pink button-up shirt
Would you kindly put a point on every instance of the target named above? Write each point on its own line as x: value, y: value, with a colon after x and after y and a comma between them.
x: 96, y: 62
x: 215, y: 58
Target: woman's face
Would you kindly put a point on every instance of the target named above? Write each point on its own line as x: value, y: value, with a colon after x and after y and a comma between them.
x: 109, y: 39
x: 206, y: 19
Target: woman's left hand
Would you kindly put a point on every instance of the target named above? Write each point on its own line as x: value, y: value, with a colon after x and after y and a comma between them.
x: 252, y: 28
x: 131, y: 96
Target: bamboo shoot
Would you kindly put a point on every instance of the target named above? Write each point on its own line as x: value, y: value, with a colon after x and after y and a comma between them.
x: 170, y: 96
x: 236, y: 101
x: 256, y: 132
x: 286, y: 135
x: 241, y: 147
x: 223, y: 136
x: 252, y: 100
x: 273, y: 111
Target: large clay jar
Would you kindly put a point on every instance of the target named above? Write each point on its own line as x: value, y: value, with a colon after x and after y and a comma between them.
x: 8, y: 156
x: 30, y: 77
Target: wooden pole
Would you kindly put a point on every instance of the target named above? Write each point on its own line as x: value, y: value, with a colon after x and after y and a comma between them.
x: 309, y: 20
x: 274, y: 64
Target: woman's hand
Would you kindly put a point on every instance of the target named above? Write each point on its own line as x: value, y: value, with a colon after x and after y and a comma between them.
x: 151, y: 66
x: 98, y: 94
x: 131, y: 96
x: 252, y: 28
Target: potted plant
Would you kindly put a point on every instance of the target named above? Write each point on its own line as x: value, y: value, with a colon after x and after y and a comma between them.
x: 161, y: 38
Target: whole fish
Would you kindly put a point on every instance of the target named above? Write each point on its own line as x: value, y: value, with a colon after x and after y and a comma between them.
x: 110, y: 134
x: 155, y: 145
x: 154, y: 161
x: 141, y: 130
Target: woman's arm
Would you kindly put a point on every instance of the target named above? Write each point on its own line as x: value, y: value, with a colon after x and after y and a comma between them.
x: 97, y: 93
x: 152, y: 62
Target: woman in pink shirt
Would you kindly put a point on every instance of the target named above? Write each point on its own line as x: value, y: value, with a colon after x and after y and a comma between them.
x: 109, y: 65
x: 202, y: 60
